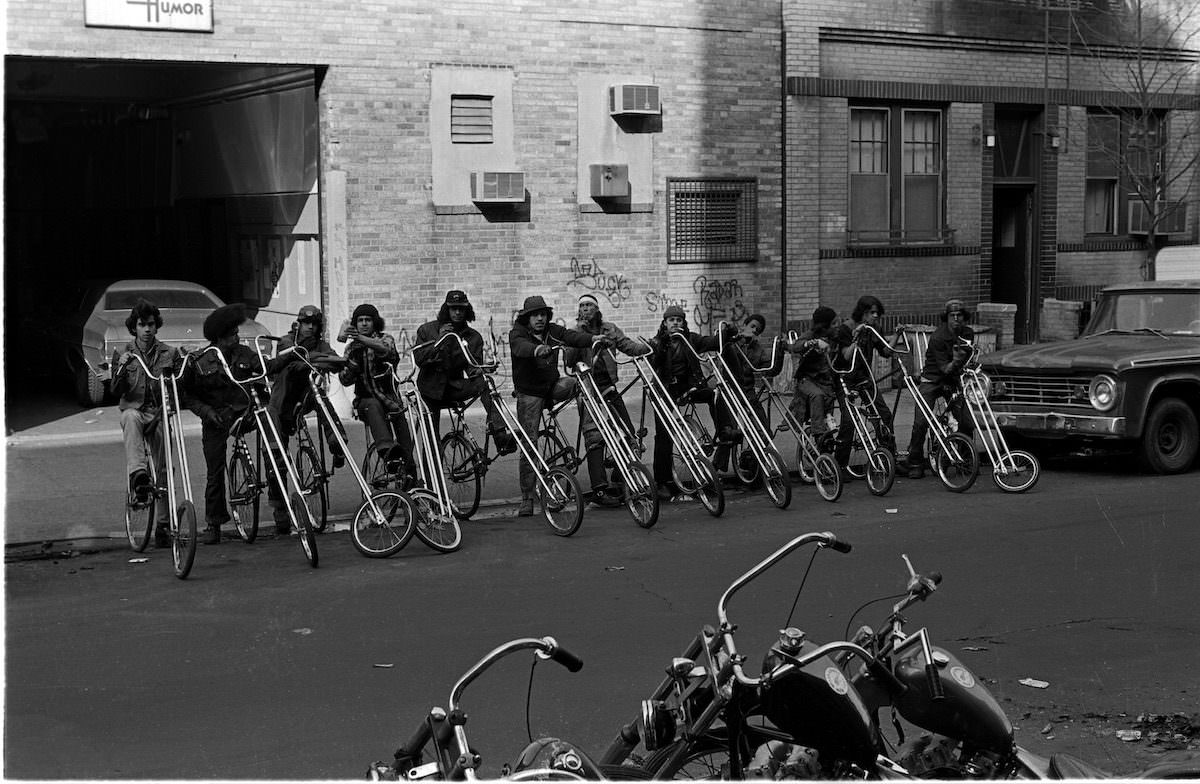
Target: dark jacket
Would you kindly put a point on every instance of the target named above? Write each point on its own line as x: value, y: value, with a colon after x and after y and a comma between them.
x: 675, y: 364
x: 532, y: 375
x: 445, y: 366
x: 206, y: 388
x: 314, y: 345
x: 131, y: 385
x: 361, y: 358
x: 810, y: 360
x: 943, y: 363
x: 605, y: 371
x: 742, y: 355
x: 844, y: 336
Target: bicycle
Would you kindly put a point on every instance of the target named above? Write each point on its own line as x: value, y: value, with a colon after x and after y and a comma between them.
x: 181, y: 516
x: 1013, y: 471
x: 868, y: 458
x: 465, y: 463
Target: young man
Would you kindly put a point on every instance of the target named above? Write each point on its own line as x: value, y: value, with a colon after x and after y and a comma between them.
x: 679, y: 370
x: 140, y: 406
x: 849, y: 338
x: 375, y: 398
x: 941, y: 377
x: 814, y: 381
x: 211, y: 395
x: 743, y: 353
x: 591, y: 321
x: 446, y: 377
x: 535, y: 376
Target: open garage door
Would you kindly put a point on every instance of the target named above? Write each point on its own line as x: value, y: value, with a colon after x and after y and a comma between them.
x: 120, y: 169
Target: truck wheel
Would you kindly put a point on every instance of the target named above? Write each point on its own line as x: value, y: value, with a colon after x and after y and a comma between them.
x: 1170, y: 438
x: 88, y: 389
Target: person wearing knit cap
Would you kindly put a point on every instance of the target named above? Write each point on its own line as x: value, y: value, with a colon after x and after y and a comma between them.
x: 604, y: 372
x: 851, y: 338
x: 813, y: 395
x: 941, y: 376
x: 370, y: 355
x: 210, y: 394
x: 745, y: 352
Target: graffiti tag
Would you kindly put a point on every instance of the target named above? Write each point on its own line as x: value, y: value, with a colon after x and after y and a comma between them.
x: 591, y: 277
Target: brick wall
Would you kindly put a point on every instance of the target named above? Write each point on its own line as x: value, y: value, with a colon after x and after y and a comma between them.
x: 1060, y: 319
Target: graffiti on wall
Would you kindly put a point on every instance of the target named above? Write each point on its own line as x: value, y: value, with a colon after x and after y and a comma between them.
x: 717, y: 301
x: 590, y: 277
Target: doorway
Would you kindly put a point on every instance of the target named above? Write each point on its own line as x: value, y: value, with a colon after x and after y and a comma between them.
x: 1012, y: 255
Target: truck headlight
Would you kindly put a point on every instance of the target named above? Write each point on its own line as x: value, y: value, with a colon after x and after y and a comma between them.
x: 1102, y: 393
x: 980, y: 390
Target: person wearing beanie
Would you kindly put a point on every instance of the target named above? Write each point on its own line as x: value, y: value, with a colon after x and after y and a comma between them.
x: 140, y: 406
x: 213, y: 397
x: 370, y: 356
x: 591, y: 321
x: 941, y: 376
x: 446, y: 377
x: 813, y: 394
x: 679, y: 370
x: 848, y: 339
x: 743, y: 353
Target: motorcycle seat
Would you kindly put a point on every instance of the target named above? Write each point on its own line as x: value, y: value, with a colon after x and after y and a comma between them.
x: 1064, y: 766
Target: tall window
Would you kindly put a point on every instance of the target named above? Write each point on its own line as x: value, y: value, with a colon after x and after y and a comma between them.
x: 1125, y: 154
x: 712, y: 219
x: 896, y: 183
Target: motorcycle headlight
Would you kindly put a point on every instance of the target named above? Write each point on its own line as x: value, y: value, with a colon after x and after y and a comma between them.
x: 980, y: 390
x: 1102, y: 393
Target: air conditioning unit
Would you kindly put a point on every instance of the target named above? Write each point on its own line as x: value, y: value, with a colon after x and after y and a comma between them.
x: 609, y: 180
x: 1172, y: 217
x: 634, y: 99
x: 498, y: 187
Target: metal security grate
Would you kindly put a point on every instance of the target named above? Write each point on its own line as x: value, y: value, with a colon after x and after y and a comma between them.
x: 712, y: 220
x: 471, y: 119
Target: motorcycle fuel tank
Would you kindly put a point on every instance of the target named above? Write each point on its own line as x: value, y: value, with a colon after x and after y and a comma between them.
x: 819, y: 708
x: 968, y: 712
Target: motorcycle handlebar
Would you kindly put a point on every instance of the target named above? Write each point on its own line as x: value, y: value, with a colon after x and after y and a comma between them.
x: 567, y: 659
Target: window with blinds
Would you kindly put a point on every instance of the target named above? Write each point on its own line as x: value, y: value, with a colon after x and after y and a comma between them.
x: 471, y: 119
x: 712, y: 220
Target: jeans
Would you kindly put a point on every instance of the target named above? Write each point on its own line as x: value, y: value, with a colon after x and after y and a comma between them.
x: 141, y: 447
x: 877, y: 410
x: 930, y: 391
x: 529, y: 415
x: 811, y: 401
x: 472, y: 387
x: 664, y: 445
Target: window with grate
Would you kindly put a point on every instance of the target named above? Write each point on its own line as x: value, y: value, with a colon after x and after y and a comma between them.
x: 712, y: 219
x: 471, y: 119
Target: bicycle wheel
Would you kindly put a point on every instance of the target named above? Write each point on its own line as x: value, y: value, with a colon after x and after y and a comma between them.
x: 555, y: 452
x: 139, y: 523
x: 308, y: 537
x: 745, y: 467
x: 435, y: 526
x: 881, y: 471
x: 314, y: 486
x: 464, y: 481
x: 856, y: 463
x: 242, y: 491
x: 711, y: 492
x: 1018, y: 473
x: 679, y: 467
x: 386, y: 533
x: 827, y: 477
x: 641, y: 496
x: 805, y: 460
x: 562, y: 506
x: 777, y: 480
x: 183, y: 539
x: 707, y: 758
x: 376, y: 473
x: 958, y: 465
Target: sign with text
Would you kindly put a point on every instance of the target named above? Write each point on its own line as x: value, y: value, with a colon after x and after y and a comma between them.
x: 183, y: 15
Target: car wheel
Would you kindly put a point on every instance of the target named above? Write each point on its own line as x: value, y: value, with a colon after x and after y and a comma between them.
x: 1170, y: 438
x: 88, y: 389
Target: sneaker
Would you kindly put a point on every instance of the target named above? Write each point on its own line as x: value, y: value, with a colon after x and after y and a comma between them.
x: 212, y: 535
x: 667, y: 491
x: 604, y: 497
x: 846, y: 475
x: 506, y: 443
x: 283, y: 529
x: 339, y: 461
x: 139, y: 486
x: 162, y: 537
x: 916, y: 471
x: 526, y: 508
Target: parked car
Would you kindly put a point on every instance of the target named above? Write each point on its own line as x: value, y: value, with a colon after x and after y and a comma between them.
x: 1132, y: 378
x: 94, y: 326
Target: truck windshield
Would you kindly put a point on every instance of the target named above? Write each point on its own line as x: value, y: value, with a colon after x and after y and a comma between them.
x: 1168, y: 312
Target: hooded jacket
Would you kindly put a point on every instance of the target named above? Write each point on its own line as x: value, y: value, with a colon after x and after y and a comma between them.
x: 445, y: 366
x: 533, y: 375
x: 605, y: 371
x: 941, y: 365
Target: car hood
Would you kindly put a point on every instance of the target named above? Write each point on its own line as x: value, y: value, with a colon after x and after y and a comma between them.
x: 1103, y: 352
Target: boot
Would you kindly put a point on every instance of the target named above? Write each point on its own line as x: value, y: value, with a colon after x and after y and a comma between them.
x: 162, y: 537
x: 526, y: 508
x: 212, y: 534
x: 506, y: 443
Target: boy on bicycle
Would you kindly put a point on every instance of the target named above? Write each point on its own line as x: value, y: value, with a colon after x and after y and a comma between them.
x: 141, y: 410
x: 743, y: 353
x: 535, y: 375
x: 848, y: 339
x: 814, y: 384
x: 375, y: 398
x: 219, y: 402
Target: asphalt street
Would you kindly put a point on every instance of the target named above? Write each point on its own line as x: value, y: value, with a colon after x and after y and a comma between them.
x: 258, y: 666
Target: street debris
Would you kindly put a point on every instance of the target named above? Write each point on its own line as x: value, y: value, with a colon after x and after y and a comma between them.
x: 614, y: 568
x: 1129, y: 735
x: 1033, y: 683
x: 302, y: 630
x: 384, y: 666
x: 1169, y: 731
x: 891, y: 511
x: 139, y: 560
x: 1047, y: 729
x: 974, y: 647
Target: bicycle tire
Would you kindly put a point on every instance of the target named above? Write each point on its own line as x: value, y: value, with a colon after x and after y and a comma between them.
x: 679, y: 467
x: 706, y: 759
x: 712, y: 492
x: 464, y: 483
x: 314, y: 486
x: 778, y: 482
x: 881, y: 471
x: 183, y: 539
x: 139, y: 523
x: 957, y: 466
x: 308, y: 537
x: 555, y: 452
x: 641, y: 496
x: 1022, y: 477
x: 745, y: 466
x: 376, y: 473
x: 436, y: 527
x: 379, y: 538
x: 243, y: 493
x: 805, y: 468
x: 563, y: 511
x: 827, y: 477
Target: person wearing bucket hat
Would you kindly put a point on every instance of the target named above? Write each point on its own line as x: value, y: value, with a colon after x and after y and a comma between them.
x: 744, y: 352
x: 941, y: 376
x: 376, y: 402
x: 589, y: 319
x: 679, y: 370
x: 813, y: 395
x: 210, y: 394
x: 535, y: 377
x: 445, y: 376
x: 848, y: 338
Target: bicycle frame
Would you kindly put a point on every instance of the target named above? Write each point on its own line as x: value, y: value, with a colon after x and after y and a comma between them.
x: 420, y: 424
x: 173, y: 443
x: 936, y: 428
x: 854, y: 401
x: 612, y: 429
x: 975, y: 391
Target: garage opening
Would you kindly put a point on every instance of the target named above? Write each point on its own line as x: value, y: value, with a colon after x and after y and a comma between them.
x: 149, y: 170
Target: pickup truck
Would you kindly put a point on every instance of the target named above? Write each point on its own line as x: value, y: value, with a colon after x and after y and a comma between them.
x: 1130, y: 380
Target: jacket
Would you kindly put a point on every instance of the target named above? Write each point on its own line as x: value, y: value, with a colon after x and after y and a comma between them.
x: 206, y: 388
x: 533, y: 375
x: 445, y: 366
x: 811, y: 361
x: 131, y: 384
x: 742, y: 355
x: 844, y: 336
x: 941, y: 364
x: 675, y: 364
x: 605, y: 371
x: 362, y: 357
x: 314, y: 345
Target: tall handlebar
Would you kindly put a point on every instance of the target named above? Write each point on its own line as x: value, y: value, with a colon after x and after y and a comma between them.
x: 546, y: 647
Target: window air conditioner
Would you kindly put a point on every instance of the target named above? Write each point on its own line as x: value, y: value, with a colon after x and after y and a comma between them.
x: 498, y: 187
x: 635, y: 99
